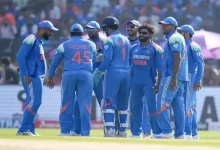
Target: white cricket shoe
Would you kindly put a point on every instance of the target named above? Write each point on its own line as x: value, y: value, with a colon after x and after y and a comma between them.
x: 64, y: 134
x: 146, y: 136
x: 122, y: 134
x: 181, y: 137
x: 195, y: 137
x: 74, y: 134
x: 35, y: 133
x: 163, y: 136
x: 135, y: 136
x: 109, y: 133
x: 27, y: 133
x: 188, y: 137
x: 155, y: 136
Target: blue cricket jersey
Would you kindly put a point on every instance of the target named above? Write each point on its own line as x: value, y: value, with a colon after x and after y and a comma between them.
x: 133, y: 42
x: 116, y: 52
x: 96, y: 41
x: 30, y: 57
x: 175, y: 43
x: 195, y: 59
x: 78, y: 54
x: 146, y: 61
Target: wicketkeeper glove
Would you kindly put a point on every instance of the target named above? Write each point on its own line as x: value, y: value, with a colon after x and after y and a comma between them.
x: 96, y: 77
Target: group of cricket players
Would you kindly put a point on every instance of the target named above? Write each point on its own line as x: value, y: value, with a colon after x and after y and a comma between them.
x: 132, y: 78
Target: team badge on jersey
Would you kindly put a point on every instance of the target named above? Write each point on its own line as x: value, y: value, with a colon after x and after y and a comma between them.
x: 106, y: 46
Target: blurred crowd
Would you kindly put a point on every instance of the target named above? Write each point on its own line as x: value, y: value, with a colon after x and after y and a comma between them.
x: 18, y: 18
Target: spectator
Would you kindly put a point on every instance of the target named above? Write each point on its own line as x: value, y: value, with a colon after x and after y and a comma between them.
x: 28, y: 28
x: 11, y: 74
x: 211, y: 75
x: 52, y: 11
x: 7, y: 35
x: 25, y: 17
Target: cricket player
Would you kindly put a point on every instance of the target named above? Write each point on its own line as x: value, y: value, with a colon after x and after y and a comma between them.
x: 116, y: 79
x: 145, y: 79
x: 32, y: 69
x: 78, y: 54
x: 175, y: 74
x: 196, y: 70
x: 93, y: 28
x: 132, y: 31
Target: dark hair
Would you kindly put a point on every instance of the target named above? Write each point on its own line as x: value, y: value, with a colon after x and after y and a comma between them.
x: 190, y: 35
x: 149, y: 27
x: 76, y: 34
x: 113, y: 27
x: 5, y: 61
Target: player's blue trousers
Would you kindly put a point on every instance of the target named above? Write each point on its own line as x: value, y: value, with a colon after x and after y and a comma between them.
x: 77, y: 82
x: 146, y: 126
x: 33, y: 101
x: 190, y: 109
x: 116, y: 95
x: 166, y: 98
x: 136, y: 108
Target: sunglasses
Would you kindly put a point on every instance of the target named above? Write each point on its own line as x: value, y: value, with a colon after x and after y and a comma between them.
x: 144, y: 33
x: 164, y: 25
x: 130, y: 26
x: 89, y: 30
x: 104, y: 27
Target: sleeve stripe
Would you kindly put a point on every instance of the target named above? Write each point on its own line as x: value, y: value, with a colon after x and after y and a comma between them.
x: 30, y: 39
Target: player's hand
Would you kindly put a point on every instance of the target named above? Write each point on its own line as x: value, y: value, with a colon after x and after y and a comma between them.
x: 99, y: 57
x: 98, y: 46
x: 27, y: 79
x: 156, y: 88
x: 50, y: 82
x: 197, y: 86
x: 96, y: 77
x: 173, y: 84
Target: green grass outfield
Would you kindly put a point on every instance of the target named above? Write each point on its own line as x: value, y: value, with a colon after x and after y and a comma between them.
x: 207, y: 138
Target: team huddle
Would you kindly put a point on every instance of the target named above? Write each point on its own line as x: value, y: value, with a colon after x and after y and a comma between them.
x: 132, y: 78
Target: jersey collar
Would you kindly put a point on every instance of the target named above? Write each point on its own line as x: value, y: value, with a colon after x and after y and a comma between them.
x: 115, y: 32
x: 76, y: 37
x: 39, y: 39
x: 133, y: 40
x: 147, y: 46
x: 189, y: 40
x: 171, y: 33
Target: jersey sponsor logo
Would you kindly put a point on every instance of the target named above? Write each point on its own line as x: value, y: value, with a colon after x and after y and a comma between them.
x: 140, y: 62
x: 141, y: 57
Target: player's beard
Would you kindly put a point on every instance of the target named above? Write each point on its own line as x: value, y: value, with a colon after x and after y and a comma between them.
x: 107, y: 34
x: 144, y: 39
x: 45, y: 36
x: 93, y: 36
x: 131, y: 34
